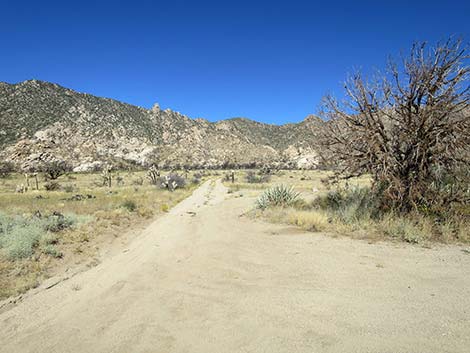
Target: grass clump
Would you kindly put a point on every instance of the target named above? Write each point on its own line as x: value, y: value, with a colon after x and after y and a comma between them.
x: 313, y: 221
x: 349, y: 205
x: 279, y: 195
x: 356, y: 211
x: 359, y: 208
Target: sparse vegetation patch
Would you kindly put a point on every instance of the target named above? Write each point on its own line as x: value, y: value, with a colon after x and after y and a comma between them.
x: 20, y: 236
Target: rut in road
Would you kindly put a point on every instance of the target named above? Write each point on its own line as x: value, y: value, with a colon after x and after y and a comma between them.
x: 204, y: 279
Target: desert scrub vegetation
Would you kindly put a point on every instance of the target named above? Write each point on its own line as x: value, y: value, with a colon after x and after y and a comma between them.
x: 409, y: 130
x: 264, y: 177
x: 172, y: 182
x: 129, y: 205
x: 41, y: 242
x: 354, y: 211
x: 358, y: 208
x: 21, y: 236
x: 253, y: 177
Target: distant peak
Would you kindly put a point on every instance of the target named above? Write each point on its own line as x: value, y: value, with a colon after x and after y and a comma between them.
x: 312, y: 118
x: 31, y: 82
x: 37, y: 83
x: 156, y: 108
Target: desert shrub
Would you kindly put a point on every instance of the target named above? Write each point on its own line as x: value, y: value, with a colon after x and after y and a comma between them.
x: 279, y: 195
x: 172, y: 182
x: 252, y: 177
x: 198, y: 175
x: 69, y: 188
x: 54, y: 169
x: 51, y: 250
x: 350, y: 204
x: 6, y: 168
x: 120, y: 180
x: 129, y: 205
x: 21, y: 235
x: 50, y: 239
x: 139, y: 181
x: 407, y: 228
x: 52, y: 186
x: 20, y: 239
x: 359, y: 208
x: 56, y: 222
x: 266, y: 170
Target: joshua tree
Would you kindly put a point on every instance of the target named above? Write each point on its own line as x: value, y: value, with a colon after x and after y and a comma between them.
x: 106, y: 175
x: 409, y: 128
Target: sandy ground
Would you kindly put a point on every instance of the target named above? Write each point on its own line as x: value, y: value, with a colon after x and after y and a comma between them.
x: 203, y: 279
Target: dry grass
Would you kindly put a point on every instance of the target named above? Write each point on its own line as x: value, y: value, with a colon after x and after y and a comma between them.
x: 313, y: 221
x: 308, y: 182
x: 353, y: 221
x: 110, y: 212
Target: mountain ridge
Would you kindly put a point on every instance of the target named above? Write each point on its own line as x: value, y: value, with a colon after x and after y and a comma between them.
x: 39, y: 118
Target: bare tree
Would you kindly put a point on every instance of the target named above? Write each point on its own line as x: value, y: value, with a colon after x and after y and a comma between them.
x: 55, y: 168
x: 409, y: 127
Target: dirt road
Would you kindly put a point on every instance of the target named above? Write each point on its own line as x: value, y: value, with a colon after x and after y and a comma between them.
x: 203, y: 279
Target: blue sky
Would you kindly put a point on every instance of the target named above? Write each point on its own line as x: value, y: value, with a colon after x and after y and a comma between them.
x: 271, y: 61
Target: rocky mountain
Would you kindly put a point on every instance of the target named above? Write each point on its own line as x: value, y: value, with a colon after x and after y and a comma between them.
x: 40, y: 121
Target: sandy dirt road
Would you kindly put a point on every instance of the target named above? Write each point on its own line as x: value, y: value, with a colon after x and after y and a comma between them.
x: 203, y: 279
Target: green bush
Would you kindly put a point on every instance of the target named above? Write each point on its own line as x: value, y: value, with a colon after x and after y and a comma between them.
x: 279, y: 195
x: 21, y: 235
x: 21, y: 239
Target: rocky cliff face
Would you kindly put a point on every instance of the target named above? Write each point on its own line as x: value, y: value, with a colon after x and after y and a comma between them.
x: 41, y: 121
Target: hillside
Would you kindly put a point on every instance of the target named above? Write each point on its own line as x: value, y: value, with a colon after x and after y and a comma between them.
x: 41, y: 121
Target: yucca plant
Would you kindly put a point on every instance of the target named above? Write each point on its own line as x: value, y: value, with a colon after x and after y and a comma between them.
x: 279, y: 195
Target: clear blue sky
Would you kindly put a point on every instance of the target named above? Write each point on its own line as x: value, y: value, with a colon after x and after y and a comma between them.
x: 267, y: 60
